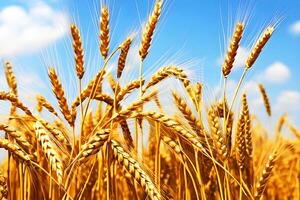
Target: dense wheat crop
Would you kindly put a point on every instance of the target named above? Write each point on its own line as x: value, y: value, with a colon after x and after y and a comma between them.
x: 204, y: 151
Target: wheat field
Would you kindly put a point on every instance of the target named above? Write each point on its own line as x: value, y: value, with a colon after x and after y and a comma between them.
x: 203, y: 151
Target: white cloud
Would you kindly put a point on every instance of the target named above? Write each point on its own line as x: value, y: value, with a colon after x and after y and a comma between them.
x: 288, y: 101
x: 295, y: 28
x: 25, y: 31
x: 277, y: 72
x: 240, y: 59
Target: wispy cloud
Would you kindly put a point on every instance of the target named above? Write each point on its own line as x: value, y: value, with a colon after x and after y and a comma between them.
x: 288, y: 101
x: 28, y: 30
x: 277, y: 72
x: 295, y: 28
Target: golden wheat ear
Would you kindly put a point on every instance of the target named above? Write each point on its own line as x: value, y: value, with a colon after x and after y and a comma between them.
x: 149, y: 29
x: 265, y: 176
x: 60, y: 96
x: 104, y: 32
x: 135, y: 170
x: 12, y: 83
x: 259, y: 45
x: 265, y: 98
x: 50, y: 151
x: 232, y: 49
x: 42, y: 102
x: 15, y: 150
x: 8, y: 96
x: 216, y: 132
x: 78, y: 51
x: 17, y: 135
x: 123, y: 55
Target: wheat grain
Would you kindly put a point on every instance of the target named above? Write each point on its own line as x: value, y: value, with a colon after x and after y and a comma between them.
x: 137, y: 104
x: 232, y: 50
x: 15, y: 101
x: 247, y: 126
x: 265, y: 98
x: 240, y: 142
x: 168, y: 122
x: 14, y: 149
x: 266, y: 35
x: 105, y: 98
x: 127, y: 89
x: 93, y: 145
x: 55, y: 132
x: 60, y: 96
x: 17, y: 135
x: 126, y: 133
x: 216, y: 132
x: 12, y: 83
x: 187, y: 113
x: 133, y: 167
x: 49, y: 150
x: 78, y: 51
x: 262, y: 182
x: 123, y: 55
x: 149, y: 29
x: 104, y: 32
x: 166, y: 72
x: 42, y: 102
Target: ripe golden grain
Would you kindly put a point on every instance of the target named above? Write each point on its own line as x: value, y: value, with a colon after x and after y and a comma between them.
x: 104, y: 32
x: 60, y: 96
x: 265, y: 98
x: 232, y: 49
x: 264, y: 38
x: 149, y: 29
x: 78, y: 51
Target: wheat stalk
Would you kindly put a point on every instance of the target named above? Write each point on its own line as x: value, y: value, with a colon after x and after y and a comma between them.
x: 86, y: 93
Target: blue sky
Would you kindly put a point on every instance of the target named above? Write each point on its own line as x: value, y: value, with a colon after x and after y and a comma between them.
x: 191, y: 33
